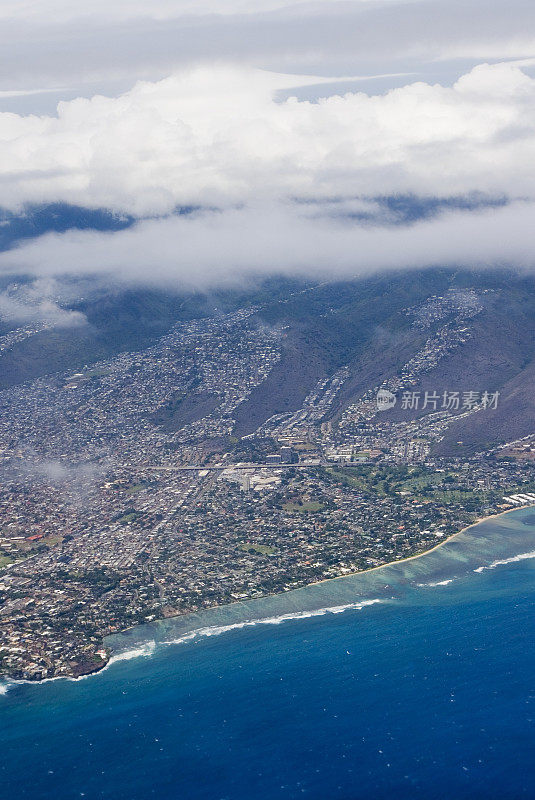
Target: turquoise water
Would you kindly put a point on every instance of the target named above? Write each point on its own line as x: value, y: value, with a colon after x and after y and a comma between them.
x: 414, y: 681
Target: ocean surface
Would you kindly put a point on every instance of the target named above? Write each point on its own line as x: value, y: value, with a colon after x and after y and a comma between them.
x: 416, y: 680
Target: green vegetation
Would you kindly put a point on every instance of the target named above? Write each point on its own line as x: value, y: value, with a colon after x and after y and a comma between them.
x: 418, y: 482
x: 379, y: 480
x: 136, y: 487
x: 130, y: 515
x: 261, y: 549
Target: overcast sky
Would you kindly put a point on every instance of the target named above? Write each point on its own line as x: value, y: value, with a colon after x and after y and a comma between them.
x: 77, y: 46
x: 247, y: 110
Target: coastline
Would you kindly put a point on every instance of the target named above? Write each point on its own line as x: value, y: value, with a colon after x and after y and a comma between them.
x: 384, y: 678
x: 301, y: 611
x: 440, y: 544
x: 111, y: 655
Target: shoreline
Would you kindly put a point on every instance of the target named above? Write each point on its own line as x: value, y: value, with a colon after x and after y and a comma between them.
x: 478, y: 521
x: 107, y: 663
x: 437, y: 546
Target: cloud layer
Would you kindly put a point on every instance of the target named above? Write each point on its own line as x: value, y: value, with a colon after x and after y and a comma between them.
x: 37, y: 302
x: 214, y: 136
x: 272, y: 181
x: 55, y: 43
x: 122, y: 10
x: 227, y: 248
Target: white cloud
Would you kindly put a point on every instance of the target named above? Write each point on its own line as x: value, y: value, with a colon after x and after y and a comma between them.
x: 226, y: 248
x: 221, y: 134
x: 37, y: 302
x: 218, y: 136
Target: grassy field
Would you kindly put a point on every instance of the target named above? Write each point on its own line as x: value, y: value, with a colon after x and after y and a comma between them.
x: 137, y: 487
x: 261, y: 549
x: 130, y: 517
x: 416, y: 482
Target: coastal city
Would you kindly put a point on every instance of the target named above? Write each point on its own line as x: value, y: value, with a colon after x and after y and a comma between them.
x: 127, y: 496
x: 267, y: 400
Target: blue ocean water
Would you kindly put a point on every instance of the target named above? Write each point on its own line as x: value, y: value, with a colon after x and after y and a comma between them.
x: 413, y: 681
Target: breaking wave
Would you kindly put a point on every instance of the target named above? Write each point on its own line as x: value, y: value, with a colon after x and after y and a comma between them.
x: 436, y: 583
x: 217, y: 630
x: 503, y: 562
x: 148, y: 648
x: 144, y: 650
